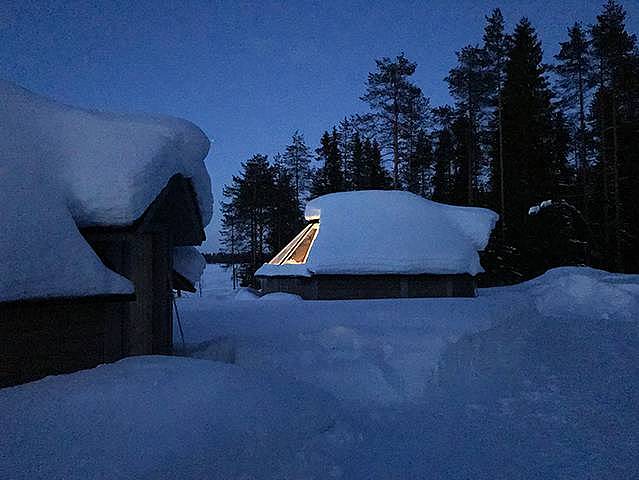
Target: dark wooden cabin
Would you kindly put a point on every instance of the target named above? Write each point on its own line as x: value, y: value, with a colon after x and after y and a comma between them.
x: 381, y: 244
x: 50, y: 336
x: 351, y: 287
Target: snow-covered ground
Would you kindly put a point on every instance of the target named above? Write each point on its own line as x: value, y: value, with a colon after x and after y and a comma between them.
x: 539, y: 380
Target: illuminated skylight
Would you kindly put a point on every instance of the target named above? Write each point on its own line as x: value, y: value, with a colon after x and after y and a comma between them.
x: 296, y: 252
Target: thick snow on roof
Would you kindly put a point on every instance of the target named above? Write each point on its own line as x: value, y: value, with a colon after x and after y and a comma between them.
x: 62, y: 167
x: 111, y: 165
x: 392, y: 232
x: 188, y: 262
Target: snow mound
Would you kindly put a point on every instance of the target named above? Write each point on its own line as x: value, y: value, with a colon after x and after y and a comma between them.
x: 189, y: 262
x: 167, y: 417
x: 281, y: 297
x: 394, y: 232
x: 554, y: 393
x: 244, y: 293
x: 585, y: 292
x: 63, y: 168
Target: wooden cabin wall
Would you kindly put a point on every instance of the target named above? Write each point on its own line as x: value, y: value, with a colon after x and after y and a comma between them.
x: 350, y: 287
x: 162, y: 318
x: 58, y: 336
x: 145, y: 259
x: 55, y: 336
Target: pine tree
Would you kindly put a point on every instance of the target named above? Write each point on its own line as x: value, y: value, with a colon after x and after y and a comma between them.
x: 297, y: 160
x: 496, y: 47
x: 574, y: 84
x: 396, y: 103
x: 469, y: 84
x: 230, y: 236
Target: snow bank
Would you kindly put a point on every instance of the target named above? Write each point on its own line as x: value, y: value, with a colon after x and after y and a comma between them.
x: 393, y: 232
x: 444, y: 388
x: 553, y: 392
x: 166, y: 417
x: 585, y: 292
x: 61, y: 167
x: 189, y: 262
x: 368, y: 352
x: 281, y: 297
x: 244, y: 293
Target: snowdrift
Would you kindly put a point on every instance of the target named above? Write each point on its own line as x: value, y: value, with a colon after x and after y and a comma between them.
x: 554, y: 391
x: 501, y: 386
x: 165, y: 417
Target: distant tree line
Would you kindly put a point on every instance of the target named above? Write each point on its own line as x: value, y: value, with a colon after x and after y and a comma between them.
x: 519, y: 133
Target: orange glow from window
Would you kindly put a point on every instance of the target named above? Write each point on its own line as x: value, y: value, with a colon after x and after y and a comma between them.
x: 297, y: 251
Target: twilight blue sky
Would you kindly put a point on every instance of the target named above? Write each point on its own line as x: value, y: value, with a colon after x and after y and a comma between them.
x: 249, y: 73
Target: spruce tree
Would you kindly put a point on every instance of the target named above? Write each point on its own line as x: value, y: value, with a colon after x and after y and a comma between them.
x: 247, y: 213
x: 615, y: 110
x: 285, y: 215
x: 529, y: 166
x: 359, y: 167
x: 443, y: 155
x: 419, y: 165
x: 329, y: 176
x: 347, y: 129
x: 378, y: 178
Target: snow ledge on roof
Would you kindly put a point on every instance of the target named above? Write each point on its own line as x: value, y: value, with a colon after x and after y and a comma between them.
x: 189, y: 262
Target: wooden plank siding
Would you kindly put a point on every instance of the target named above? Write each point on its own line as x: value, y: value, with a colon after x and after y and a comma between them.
x: 145, y: 259
x: 348, y: 287
x: 40, y: 338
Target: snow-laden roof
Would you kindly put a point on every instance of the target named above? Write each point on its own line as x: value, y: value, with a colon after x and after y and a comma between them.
x: 62, y: 167
x: 188, y: 262
x: 391, y: 232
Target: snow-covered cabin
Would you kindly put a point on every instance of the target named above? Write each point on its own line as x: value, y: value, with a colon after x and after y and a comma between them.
x: 95, y: 210
x: 381, y: 244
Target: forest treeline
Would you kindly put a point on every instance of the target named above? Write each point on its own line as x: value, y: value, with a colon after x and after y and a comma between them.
x: 553, y: 148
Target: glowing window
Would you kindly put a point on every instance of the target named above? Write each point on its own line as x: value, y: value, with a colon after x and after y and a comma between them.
x: 298, y: 249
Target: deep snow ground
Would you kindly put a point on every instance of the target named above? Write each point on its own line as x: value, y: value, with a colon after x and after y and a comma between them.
x: 539, y: 380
